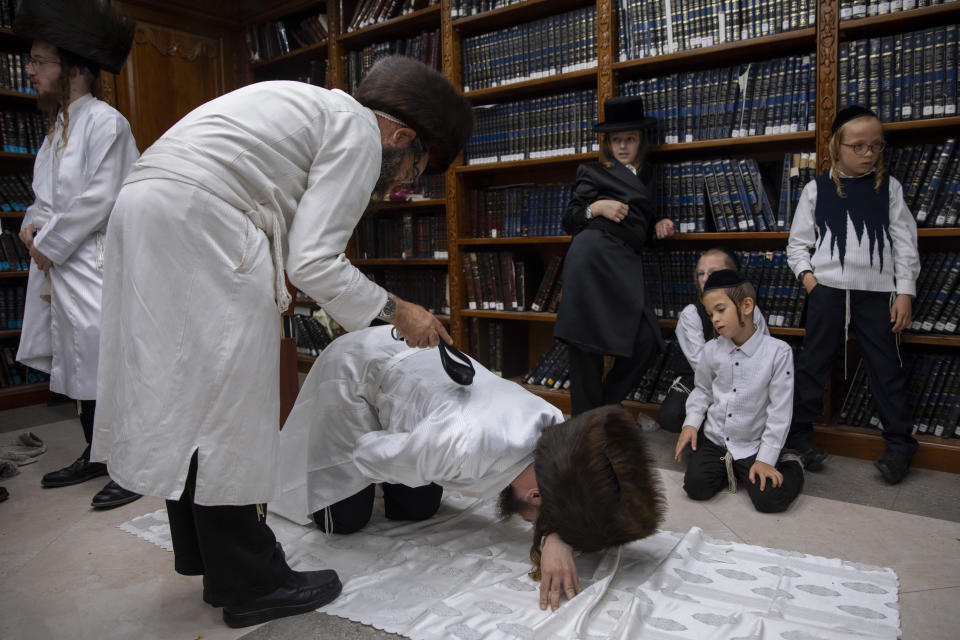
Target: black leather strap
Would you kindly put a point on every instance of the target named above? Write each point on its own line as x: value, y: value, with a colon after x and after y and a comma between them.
x: 459, y: 372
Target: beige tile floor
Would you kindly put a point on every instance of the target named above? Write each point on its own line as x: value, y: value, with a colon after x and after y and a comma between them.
x: 67, y: 571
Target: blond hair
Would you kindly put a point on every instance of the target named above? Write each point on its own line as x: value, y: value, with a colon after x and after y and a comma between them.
x: 836, y: 140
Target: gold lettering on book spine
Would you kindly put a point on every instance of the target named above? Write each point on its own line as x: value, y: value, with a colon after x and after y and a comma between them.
x: 827, y: 52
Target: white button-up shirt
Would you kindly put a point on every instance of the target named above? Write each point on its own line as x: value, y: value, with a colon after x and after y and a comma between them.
x: 745, y: 394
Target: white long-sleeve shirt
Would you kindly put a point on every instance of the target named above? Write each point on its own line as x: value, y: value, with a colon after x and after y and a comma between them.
x: 861, y: 270
x: 374, y: 410
x: 745, y: 394
x: 689, y: 332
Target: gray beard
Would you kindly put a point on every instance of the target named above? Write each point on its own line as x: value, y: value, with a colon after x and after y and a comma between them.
x: 391, y: 159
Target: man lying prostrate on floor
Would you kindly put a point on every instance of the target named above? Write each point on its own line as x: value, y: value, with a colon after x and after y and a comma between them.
x: 373, y: 410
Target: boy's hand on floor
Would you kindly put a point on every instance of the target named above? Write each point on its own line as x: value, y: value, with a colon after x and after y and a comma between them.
x: 765, y: 472
x: 558, y: 573
x: 688, y: 435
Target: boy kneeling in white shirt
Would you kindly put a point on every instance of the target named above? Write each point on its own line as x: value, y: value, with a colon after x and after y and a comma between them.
x: 739, y: 412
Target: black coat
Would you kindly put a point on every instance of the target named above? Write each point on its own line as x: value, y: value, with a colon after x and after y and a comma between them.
x: 604, y: 298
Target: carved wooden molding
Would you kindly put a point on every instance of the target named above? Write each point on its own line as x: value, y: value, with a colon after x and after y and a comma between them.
x: 827, y: 53
x: 107, y: 88
x: 605, y: 21
x: 186, y: 46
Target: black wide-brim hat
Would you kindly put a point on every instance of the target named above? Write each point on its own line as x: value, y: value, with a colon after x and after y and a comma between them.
x: 88, y: 29
x: 425, y: 100
x: 624, y: 113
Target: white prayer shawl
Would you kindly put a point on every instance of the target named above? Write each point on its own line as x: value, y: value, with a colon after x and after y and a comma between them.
x: 191, y: 333
x: 374, y: 410
x: 75, y: 187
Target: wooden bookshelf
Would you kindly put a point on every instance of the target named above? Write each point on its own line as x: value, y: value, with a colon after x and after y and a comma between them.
x: 728, y: 53
x: 27, y: 99
x: 14, y: 274
x: 410, y: 204
x: 23, y: 395
x: 316, y: 50
x: 10, y: 333
x: 531, y: 332
x: 400, y: 262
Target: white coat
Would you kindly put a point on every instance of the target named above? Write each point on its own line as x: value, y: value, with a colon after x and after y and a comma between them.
x: 374, y: 410
x: 75, y: 188
x: 191, y: 332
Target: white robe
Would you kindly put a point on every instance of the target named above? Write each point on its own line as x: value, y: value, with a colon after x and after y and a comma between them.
x: 191, y: 333
x: 76, y: 187
x: 374, y: 410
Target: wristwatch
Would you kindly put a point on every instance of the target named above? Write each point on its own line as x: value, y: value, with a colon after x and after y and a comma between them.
x: 389, y: 308
x: 802, y: 275
x: 588, y: 213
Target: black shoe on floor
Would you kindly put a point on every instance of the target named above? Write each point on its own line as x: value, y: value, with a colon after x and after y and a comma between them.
x: 80, y: 471
x: 810, y: 454
x: 893, y: 466
x: 303, y: 592
x: 3, y: 494
x: 113, y: 495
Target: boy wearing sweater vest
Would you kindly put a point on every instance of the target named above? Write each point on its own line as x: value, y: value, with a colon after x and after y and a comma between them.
x: 853, y: 246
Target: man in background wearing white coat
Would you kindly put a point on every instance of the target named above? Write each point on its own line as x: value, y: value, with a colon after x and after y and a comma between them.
x: 86, y: 154
x: 273, y: 175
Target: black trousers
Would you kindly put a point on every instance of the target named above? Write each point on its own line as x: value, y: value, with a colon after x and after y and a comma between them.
x: 88, y: 409
x: 589, y: 389
x: 870, y: 319
x: 400, y: 502
x: 231, y: 546
x: 673, y: 409
x: 707, y: 474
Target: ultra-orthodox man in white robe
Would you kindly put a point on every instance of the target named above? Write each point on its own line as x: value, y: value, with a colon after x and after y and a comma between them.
x: 373, y: 410
x: 76, y: 185
x: 274, y: 174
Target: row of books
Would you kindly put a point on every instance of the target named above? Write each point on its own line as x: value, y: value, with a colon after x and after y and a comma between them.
x: 492, y: 356
x: 8, y: 9
x: 930, y: 175
x: 370, y: 12
x: 316, y: 73
x: 430, y: 288
x: 759, y: 98
x: 652, y: 28
x: 534, y: 128
x: 21, y: 131
x: 552, y: 370
x: 312, y: 337
x: 936, y: 308
x: 668, y: 276
x: 13, y: 72
x: 425, y: 47
x: 933, y: 395
x: 275, y: 38
x: 909, y: 76
x: 546, y: 47
x: 854, y: 9
x: 13, y: 374
x: 732, y: 190
x: 466, y: 8
x: 14, y: 255
x: 496, y: 281
x: 518, y: 210
x: 12, y: 300
x: 16, y: 191
x: 797, y: 170
x: 407, y: 236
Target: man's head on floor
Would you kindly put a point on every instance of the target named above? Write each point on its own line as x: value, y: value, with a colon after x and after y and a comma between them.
x: 592, y: 482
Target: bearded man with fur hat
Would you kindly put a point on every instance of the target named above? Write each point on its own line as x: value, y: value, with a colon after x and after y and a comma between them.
x: 372, y: 411
x: 270, y: 177
x: 87, y: 152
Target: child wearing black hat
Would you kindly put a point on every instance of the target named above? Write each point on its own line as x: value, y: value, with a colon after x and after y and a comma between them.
x: 853, y: 246
x: 739, y: 410
x: 612, y: 216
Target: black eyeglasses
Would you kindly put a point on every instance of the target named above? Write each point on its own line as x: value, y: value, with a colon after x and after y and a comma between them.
x: 861, y: 148
x: 30, y: 61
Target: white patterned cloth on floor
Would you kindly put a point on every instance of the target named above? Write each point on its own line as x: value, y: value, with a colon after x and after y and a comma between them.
x: 463, y: 575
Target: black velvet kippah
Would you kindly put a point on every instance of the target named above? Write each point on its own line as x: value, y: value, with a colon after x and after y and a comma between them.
x: 723, y: 279
x: 846, y: 115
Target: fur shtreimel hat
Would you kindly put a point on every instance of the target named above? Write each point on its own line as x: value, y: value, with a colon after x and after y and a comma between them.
x: 89, y: 29
x: 423, y: 99
x: 596, y: 480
